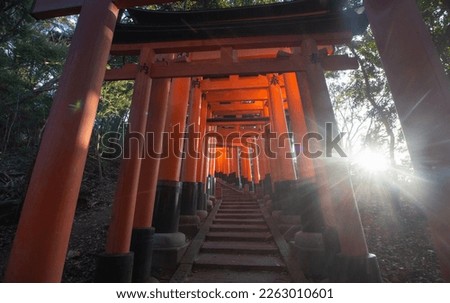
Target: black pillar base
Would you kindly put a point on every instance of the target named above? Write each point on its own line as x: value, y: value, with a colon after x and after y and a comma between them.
x: 362, y: 269
x: 114, y: 268
x: 311, y: 253
x: 207, y: 183
x: 252, y: 186
x: 236, y: 180
x: 210, y: 180
x: 283, y: 194
x: 189, y: 198
x: 306, y: 203
x: 259, y: 189
x: 267, y: 185
x: 201, y: 198
x: 244, y: 181
x: 167, y: 206
x: 142, y: 246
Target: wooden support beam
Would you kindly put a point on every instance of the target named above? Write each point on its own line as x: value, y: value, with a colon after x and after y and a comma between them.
x: 293, y: 63
x: 235, y: 43
x: 239, y: 121
x: 126, y: 72
x: 234, y: 82
x: 237, y: 108
x: 250, y: 94
x: 129, y: 71
x: 229, y: 145
x: 235, y: 134
x: 219, y: 68
x: 250, y: 54
x: 237, y: 113
x: 240, y: 54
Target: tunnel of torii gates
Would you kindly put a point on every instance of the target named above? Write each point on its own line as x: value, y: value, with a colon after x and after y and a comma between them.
x: 221, y: 75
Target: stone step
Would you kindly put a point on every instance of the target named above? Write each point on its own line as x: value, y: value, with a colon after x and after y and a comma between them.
x: 240, y: 206
x: 238, y: 227
x: 236, y: 247
x: 240, y: 262
x: 239, y: 216
x: 236, y: 201
x: 236, y: 276
x: 238, y: 236
x: 238, y: 211
x: 239, y: 221
x: 243, y: 205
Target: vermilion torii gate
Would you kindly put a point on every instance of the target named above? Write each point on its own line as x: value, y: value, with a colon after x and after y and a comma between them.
x: 419, y: 86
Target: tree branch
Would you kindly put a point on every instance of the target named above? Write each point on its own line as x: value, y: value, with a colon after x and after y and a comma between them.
x: 384, y: 119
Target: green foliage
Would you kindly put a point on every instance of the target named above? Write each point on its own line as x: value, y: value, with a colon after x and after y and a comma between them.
x: 436, y: 14
x: 31, y: 56
x: 112, y: 115
x: 364, y: 104
x: 114, y: 106
x: 207, y: 4
x: 363, y: 101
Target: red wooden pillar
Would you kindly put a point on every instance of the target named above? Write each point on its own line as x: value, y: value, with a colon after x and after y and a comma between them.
x: 203, y: 150
x: 256, y: 164
x: 305, y: 164
x: 240, y: 173
x: 119, y: 235
x: 141, y: 241
x: 219, y: 160
x: 246, y: 168
x: 260, y: 154
x: 280, y: 144
x: 211, y: 169
x: 268, y: 152
x: 212, y: 164
x: 237, y: 177
x: 421, y: 93
x: 157, y: 113
x: 249, y: 162
x: 227, y: 161
x: 201, y: 163
x: 205, y: 164
x: 167, y: 207
x: 42, y: 236
x: 116, y: 264
x: 230, y: 160
x: 189, y: 194
x: 339, y: 205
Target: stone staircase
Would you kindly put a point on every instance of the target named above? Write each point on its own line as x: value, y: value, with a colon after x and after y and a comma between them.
x: 238, y: 247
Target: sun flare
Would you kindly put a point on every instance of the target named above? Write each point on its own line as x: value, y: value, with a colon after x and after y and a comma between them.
x: 371, y: 161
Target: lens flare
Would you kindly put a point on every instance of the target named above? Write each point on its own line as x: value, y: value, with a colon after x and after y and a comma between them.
x: 371, y: 161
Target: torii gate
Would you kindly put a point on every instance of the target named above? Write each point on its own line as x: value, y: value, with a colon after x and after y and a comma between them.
x: 419, y: 86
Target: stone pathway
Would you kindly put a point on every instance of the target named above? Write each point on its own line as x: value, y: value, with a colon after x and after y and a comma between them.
x: 238, y: 245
